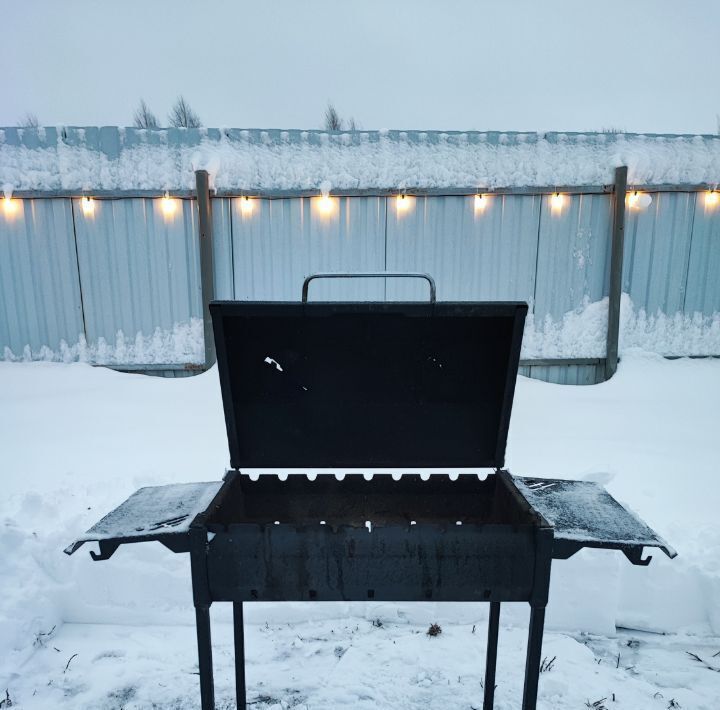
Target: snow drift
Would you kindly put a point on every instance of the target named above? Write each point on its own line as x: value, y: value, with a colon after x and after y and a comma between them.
x: 580, y: 333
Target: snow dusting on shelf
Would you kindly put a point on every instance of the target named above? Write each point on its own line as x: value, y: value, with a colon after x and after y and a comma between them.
x: 111, y: 158
x: 153, y: 510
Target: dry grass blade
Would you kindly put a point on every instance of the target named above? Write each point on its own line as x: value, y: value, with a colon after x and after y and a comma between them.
x: 697, y: 658
x: 546, y: 665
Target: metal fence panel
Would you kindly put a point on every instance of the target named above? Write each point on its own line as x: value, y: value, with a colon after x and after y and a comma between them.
x: 573, y: 263
x: 473, y: 253
x: 222, y: 248
x: 277, y: 243
x: 139, y: 269
x: 568, y: 374
x: 39, y: 289
x: 703, y: 278
x: 657, y: 251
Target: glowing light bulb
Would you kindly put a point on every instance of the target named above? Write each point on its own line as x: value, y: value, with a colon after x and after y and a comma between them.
x: 246, y: 206
x: 712, y: 198
x: 88, y: 206
x: 326, y: 204
x: 403, y: 203
x: 481, y: 202
x: 638, y: 200
x: 557, y: 201
x: 169, y: 206
x: 10, y: 206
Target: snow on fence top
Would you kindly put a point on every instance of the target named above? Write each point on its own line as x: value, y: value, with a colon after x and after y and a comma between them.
x: 110, y: 158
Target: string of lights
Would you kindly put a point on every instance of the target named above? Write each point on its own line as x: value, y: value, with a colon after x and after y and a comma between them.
x: 327, y: 204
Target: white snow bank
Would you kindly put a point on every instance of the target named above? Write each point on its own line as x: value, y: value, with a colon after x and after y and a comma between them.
x: 183, y: 344
x: 75, y: 441
x: 581, y: 333
x: 126, y: 159
x: 649, y: 435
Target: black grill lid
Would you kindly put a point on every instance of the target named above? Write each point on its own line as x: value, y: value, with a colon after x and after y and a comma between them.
x: 367, y: 385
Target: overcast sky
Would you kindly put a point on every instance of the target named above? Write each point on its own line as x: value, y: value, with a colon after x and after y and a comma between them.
x: 640, y: 65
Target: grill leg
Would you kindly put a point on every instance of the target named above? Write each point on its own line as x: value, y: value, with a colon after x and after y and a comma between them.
x: 534, y: 651
x: 207, y: 687
x: 239, y: 632
x: 491, y: 658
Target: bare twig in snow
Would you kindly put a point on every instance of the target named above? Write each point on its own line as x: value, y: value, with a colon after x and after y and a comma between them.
x: 67, y: 665
x: 43, y: 636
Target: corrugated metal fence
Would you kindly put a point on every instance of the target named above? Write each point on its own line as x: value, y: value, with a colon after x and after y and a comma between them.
x: 71, y: 281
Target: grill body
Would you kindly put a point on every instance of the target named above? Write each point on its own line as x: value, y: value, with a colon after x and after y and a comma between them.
x: 378, y: 539
x: 407, y: 386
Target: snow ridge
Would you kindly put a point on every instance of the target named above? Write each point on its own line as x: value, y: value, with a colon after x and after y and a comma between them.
x: 112, y: 158
x: 581, y: 333
x: 182, y: 344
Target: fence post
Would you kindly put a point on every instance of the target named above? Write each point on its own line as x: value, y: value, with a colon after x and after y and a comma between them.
x: 207, y: 273
x: 616, y: 268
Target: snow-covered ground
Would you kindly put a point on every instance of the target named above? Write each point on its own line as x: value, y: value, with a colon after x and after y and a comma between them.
x: 75, y: 441
x: 363, y: 663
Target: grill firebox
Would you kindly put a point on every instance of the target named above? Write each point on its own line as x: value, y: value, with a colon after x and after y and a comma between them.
x: 404, y: 540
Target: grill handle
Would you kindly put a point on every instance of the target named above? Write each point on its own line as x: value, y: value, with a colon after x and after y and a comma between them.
x: 369, y: 274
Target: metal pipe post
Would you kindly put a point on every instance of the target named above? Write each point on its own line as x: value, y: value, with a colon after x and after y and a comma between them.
x: 616, y: 268
x: 207, y: 273
x: 207, y: 685
x: 239, y: 634
x: 534, y: 652
x: 491, y: 658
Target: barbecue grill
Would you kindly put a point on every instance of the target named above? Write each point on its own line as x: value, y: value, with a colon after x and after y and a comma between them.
x: 367, y: 386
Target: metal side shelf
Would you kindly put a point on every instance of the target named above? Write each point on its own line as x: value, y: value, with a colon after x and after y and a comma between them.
x: 161, y: 513
x: 584, y: 514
